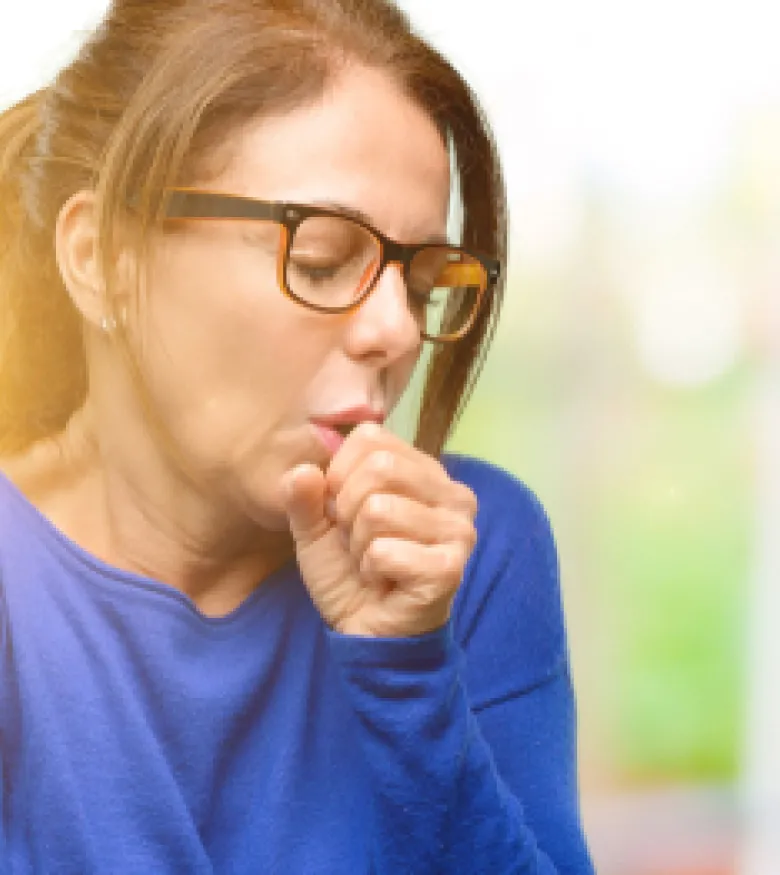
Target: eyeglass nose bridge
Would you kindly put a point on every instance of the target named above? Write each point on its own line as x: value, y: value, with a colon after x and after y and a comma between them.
x: 394, y: 253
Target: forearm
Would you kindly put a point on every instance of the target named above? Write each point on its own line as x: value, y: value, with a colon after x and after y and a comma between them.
x: 440, y: 805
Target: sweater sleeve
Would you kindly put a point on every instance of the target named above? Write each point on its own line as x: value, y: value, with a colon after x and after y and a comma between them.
x: 468, y: 731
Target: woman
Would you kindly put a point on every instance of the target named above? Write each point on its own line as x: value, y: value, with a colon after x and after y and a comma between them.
x: 246, y: 628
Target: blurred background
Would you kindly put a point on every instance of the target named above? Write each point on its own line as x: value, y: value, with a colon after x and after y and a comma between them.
x: 634, y: 384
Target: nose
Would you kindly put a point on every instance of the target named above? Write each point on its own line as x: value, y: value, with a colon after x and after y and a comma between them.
x: 383, y: 325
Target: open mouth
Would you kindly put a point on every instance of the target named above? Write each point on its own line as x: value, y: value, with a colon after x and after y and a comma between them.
x: 334, y: 434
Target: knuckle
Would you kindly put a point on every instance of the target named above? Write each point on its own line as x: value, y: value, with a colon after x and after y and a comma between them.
x: 458, y: 556
x: 460, y: 529
x: 377, y: 507
x: 470, y: 539
x: 378, y: 552
x: 449, y: 563
x: 469, y: 501
x: 382, y: 462
x: 369, y: 430
x: 438, y: 468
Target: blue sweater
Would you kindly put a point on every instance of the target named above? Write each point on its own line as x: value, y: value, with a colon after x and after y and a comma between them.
x: 139, y: 736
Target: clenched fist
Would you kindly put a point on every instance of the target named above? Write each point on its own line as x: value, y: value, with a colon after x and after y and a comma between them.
x: 382, y: 537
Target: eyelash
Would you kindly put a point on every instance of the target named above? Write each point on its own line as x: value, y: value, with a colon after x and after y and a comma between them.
x: 315, y: 273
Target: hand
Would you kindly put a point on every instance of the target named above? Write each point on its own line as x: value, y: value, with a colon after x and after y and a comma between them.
x: 382, y: 537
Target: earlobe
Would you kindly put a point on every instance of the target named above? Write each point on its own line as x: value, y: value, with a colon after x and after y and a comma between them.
x: 78, y: 257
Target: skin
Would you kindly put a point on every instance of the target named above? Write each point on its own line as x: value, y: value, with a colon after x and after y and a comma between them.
x: 234, y: 369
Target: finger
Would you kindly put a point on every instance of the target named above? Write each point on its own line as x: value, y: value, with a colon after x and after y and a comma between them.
x: 363, y: 440
x: 424, y: 577
x: 383, y: 471
x: 409, y: 564
x: 303, y: 497
x: 384, y: 515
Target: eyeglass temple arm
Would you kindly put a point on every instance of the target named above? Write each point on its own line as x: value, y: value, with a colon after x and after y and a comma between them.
x: 184, y: 203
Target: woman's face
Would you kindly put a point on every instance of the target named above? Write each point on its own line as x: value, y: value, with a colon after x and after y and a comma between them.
x: 235, y: 369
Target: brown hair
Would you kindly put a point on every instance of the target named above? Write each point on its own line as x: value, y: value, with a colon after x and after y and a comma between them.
x: 142, y: 107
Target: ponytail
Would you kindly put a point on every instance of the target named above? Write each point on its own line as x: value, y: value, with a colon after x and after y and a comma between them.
x: 42, y: 368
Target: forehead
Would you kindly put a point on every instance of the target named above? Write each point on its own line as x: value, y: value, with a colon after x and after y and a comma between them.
x: 365, y: 144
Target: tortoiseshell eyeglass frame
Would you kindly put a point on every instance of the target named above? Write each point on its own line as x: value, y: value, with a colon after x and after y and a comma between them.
x: 198, y: 204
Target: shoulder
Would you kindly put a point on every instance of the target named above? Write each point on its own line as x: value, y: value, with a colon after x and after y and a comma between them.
x: 511, y: 521
x: 500, y: 494
x: 509, y: 608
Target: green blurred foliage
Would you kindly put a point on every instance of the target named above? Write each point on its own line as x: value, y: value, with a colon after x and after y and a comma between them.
x: 648, y: 489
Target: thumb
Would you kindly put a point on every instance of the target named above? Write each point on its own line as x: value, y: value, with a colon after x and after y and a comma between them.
x: 303, y: 497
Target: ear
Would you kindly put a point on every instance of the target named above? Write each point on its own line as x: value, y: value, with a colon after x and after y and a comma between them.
x: 77, y: 250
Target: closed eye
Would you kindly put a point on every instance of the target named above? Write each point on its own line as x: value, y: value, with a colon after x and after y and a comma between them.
x: 317, y: 273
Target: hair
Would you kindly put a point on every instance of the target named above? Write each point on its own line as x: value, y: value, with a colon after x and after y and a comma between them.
x: 145, y: 105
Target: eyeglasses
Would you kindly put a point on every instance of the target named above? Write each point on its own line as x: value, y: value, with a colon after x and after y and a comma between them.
x: 330, y: 261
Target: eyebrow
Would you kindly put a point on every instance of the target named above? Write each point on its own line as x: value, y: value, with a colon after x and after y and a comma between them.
x: 353, y: 213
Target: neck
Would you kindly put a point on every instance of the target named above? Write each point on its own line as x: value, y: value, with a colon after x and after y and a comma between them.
x: 147, y: 520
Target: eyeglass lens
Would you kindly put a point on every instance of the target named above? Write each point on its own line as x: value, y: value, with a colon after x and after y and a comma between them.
x: 333, y: 260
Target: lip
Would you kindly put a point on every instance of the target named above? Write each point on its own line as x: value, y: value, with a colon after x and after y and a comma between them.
x: 349, y: 416
x: 325, y: 424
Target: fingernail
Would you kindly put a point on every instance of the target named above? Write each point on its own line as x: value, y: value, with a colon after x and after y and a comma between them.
x: 330, y: 509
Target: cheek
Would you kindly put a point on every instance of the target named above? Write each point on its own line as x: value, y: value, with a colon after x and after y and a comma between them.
x: 221, y: 348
